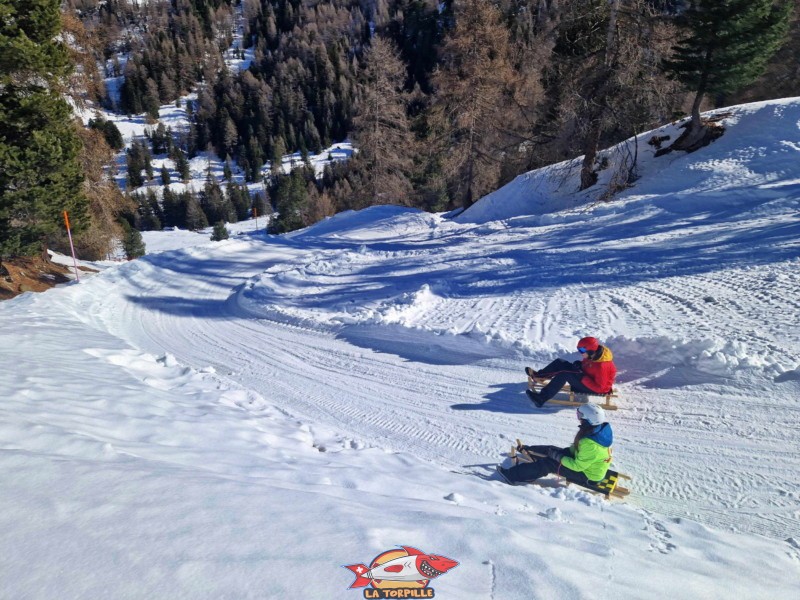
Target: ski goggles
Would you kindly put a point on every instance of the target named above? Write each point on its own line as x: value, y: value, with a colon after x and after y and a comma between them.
x: 582, y: 350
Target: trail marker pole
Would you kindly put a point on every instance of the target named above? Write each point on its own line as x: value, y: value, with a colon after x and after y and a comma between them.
x: 72, y: 247
x: 255, y: 214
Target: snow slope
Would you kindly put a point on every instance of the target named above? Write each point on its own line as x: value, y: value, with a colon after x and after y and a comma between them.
x: 240, y: 419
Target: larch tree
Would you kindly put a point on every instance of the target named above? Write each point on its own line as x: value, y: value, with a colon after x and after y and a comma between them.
x: 728, y: 45
x: 382, y: 131
x: 40, y: 172
x: 470, y: 108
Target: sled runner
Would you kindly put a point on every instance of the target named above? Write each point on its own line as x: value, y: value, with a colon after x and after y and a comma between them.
x: 608, y: 487
x: 573, y: 398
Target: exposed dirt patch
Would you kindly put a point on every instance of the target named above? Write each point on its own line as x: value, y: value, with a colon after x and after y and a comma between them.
x: 29, y: 274
x: 689, y: 140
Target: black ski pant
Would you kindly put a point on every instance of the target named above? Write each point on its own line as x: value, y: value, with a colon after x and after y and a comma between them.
x: 531, y: 471
x: 562, y: 372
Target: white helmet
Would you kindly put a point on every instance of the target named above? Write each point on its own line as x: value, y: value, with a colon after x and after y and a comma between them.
x: 592, y: 414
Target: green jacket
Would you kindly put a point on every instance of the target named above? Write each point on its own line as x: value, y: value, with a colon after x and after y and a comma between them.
x: 590, y: 458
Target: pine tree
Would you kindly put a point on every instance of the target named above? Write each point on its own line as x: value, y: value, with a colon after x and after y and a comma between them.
x: 40, y: 173
x: 136, y: 160
x: 174, y: 210
x: 239, y: 198
x: 291, y: 197
x: 418, y: 35
x: 220, y: 232
x: 261, y: 205
x: 151, y: 102
x: 182, y: 166
x: 728, y: 46
x: 194, y: 218
x: 214, y: 203
x: 276, y: 160
x: 132, y: 242
x: 160, y: 139
x: 110, y: 132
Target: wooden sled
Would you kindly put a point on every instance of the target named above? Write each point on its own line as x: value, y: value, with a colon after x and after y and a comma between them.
x: 574, y: 398
x: 608, y: 487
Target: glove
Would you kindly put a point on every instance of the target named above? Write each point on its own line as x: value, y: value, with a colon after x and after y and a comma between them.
x: 578, y: 364
x: 555, y: 454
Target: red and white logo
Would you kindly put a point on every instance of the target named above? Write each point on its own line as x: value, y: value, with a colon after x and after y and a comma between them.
x: 408, y: 569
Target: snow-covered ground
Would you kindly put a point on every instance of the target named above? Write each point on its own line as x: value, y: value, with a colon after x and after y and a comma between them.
x: 241, y: 419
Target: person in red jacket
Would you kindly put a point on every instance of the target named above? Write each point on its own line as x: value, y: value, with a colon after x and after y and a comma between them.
x: 593, y: 375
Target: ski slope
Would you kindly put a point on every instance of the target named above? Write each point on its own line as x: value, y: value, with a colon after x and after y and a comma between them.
x: 205, y: 420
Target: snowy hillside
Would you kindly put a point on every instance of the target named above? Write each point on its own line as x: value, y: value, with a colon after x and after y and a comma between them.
x: 174, y: 118
x: 241, y: 419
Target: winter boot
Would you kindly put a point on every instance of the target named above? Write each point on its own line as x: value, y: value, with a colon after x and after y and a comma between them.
x: 534, y: 397
x: 504, y: 475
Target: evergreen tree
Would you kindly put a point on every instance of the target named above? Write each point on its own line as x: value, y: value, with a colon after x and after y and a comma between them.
x: 261, y: 206
x: 239, y: 198
x: 418, y: 34
x: 194, y: 217
x: 110, y: 132
x: 40, y: 174
x: 132, y: 242
x: 728, y: 46
x: 220, y: 232
x: 150, y: 101
x: 155, y: 207
x: 130, y: 94
x: 146, y: 218
x: 148, y: 161
x: 278, y: 151
x: 182, y: 166
x: 214, y: 203
x: 134, y: 167
x: 174, y: 209
x: 160, y: 139
x: 291, y: 196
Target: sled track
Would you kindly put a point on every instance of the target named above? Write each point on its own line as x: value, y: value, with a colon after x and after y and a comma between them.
x: 452, y: 415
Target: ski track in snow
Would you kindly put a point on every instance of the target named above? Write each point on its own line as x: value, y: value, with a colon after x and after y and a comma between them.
x: 407, y: 332
x: 465, y: 413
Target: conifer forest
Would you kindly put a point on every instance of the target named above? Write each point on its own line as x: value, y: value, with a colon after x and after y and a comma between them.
x: 444, y: 100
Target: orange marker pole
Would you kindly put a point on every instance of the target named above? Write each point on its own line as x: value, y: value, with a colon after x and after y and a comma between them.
x: 255, y: 214
x: 74, y: 260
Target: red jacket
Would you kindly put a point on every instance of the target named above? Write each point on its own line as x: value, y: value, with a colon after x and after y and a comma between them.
x: 599, y: 373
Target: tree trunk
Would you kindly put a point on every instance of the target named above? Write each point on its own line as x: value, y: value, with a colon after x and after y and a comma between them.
x: 696, y: 127
x: 696, y: 124
x: 592, y: 141
x: 692, y: 138
x: 588, y: 176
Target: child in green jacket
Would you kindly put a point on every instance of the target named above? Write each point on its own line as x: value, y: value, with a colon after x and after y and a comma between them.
x: 586, y: 461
